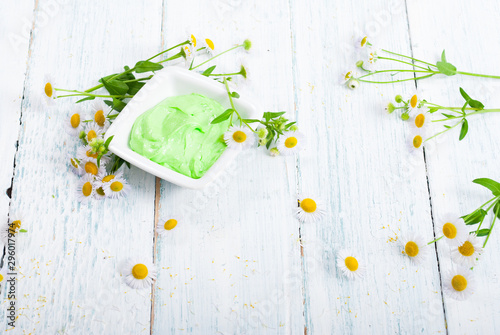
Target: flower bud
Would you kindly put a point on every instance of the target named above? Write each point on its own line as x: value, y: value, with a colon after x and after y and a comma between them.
x: 262, y: 141
x: 262, y: 133
x: 405, y: 116
x: 359, y: 63
x: 274, y: 152
x: 294, y: 128
x: 398, y: 98
x: 353, y: 84
x: 390, y: 108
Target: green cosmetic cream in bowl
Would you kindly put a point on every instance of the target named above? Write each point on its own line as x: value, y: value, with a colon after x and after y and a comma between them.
x: 165, y: 129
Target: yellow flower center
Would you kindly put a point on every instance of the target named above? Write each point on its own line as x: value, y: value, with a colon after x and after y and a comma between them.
x: 308, y: 205
x: 170, y: 224
x: 75, y: 120
x: 417, y: 141
x: 100, y: 191
x: 459, y: 283
x: 74, y: 163
x: 116, y: 186
x: 1, y: 278
x: 239, y: 136
x: 449, y: 230
x: 466, y: 249
x: 90, y: 154
x: 419, y: 120
x: 91, y: 168
x: 291, y: 142
x: 347, y: 75
x: 210, y: 44
x: 363, y: 41
x: 91, y: 135
x: 193, y: 40
x: 108, y: 178
x: 49, y: 91
x: 413, y: 101
x: 351, y: 263
x: 411, y: 249
x: 16, y: 224
x: 100, y: 118
x: 87, y: 189
x: 140, y: 271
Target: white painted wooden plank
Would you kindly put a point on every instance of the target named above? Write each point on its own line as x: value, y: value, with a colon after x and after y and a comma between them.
x: 373, y: 188
x: 233, y: 267
x: 68, y: 261
x: 465, y: 31
x: 15, y: 36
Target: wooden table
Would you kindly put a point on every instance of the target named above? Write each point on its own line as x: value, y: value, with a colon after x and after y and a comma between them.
x: 242, y: 263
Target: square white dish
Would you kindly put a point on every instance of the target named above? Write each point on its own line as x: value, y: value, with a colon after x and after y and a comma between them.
x: 168, y: 82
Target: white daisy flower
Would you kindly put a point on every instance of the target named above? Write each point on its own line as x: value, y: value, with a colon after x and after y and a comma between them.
x: 99, y: 194
x: 188, y: 54
x: 73, y: 123
x: 3, y: 275
x: 86, y: 188
x: 169, y: 223
x: 117, y: 187
x: 139, y: 274
x: 105, y: 177
x: 362, y: 43
x: 11, y: 228
x: 93, y: 130
x: 414, y: 247
x: 85, y: 152
x: 89, y: 165
x: 459, y: 283
x: 50, y: 93
x: 348, y: 262
x: 310, y: 210
x: 468, y: 252
x: 239, y: 138
x: 453, y: 230
x: 274, y: 152
x: 416, y: 141
x: 99, y: 114
x: 352, y: 83
x: 75, y: 165
x: 421, y: 120
x: 291, y: 142
x: 208, y: 45
x: 192, y: 40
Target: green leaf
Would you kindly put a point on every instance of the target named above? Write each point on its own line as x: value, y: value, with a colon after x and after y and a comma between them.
x: 476, y: 104
x: 448, y: 115
x: 496, y: 209
x: 475, y: 217
x: 251, y: 120
x: 490, y: 184
x: 483, y: 232
x: 446, y: 68
x: 23, y: 231
x: 235, y: 95
x: 118, y: 105
x: 106, y: 144
x: 223, y: 117
x: 209, y: 71
x: 443, y: 56
x: 146, y: 66
x: 465, y: 95
x: 126, y: 76
x: 99, y: 161
x: 85, y: 99
x: 464, y: 130
x: 115, y: 87
x: 271, y: 115
x: 134, y: 87
x: 433, y: 110
x: 446, y: 126
x: 109, y: 103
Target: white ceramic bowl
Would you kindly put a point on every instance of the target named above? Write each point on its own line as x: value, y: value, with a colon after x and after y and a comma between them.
x: 168, y: 82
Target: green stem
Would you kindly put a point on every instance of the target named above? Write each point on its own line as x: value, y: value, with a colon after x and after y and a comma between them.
x: 442, y: 132
x: 435, y: 240
x: 212, y: 58
x: 225, y: 74
x: 487, y: 202
x: 478, y: 75
x: 483, y: 111
x: 177, y: 55
x: 162, y: 52
x: 383, y: 71
x: 417, y: 60
x: 402, y: 61
x: 491, y: 227
x: 487, y: 210
x: 138, y: 79
x: 394, y: 81
x: 234, y: 108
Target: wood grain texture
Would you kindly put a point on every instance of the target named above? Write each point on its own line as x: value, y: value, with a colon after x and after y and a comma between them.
x: 452, y: 165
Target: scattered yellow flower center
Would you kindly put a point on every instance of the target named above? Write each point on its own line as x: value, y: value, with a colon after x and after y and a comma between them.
x: 363, y: 41
x: 419, y: 120
x: 210, y: 44
x: 413, y: 101
x: 91, y: 135
x: 417, y: 141
x: 116, y: 186
x: 449, y: 230
x: 193, y: 40
x: 291, y: 142
x: 100, y: 118
x: 308, y: 205
x: 170, y: 224
x: 459, y: 283
x: 347, y: 75
x: 49, y: 91
x: 466, y: 249
x: 351, y: 263
x: 16, y: 225
x: 74, y: 163
x: 87, y: 189
x: 239, y: 136
x: 100, y: 191
x: 91, y: 168
x: 411, y: 249
x: 140, y: 271
x: 108, y: 178
x: 75, y: 120
x: 90, y: 154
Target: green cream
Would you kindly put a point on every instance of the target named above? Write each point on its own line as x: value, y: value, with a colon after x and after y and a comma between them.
x: 177, y: 134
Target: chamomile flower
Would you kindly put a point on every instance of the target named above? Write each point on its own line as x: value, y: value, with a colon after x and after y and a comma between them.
x: 192, y: 40
x: 453, y: 230
x: 168, y: 223
x: 86, y: 188
x: 89, y: 166
x: 239, y: 138
x: 414, y: 104
x: 209, y: 46
x: 352, y: 83
x: 187, y: 54
x: 459, y: 283
x: 3, y: 275
x: 291, y: 142
x: 139, y: 274
x: 75, y: 165
x: 421, y: 120
x: 92, y: 130
x: 105, y: 177
x: 99, y: 115
x: 73, y: 123
x: 310, y: 209
x: 99, y: 194
x: 468, y: 252
x: 390, y: 108
x: 348, y: 262
x: 344, y: 77
x: 362, y: 43
x: 116, y: 188
x: 11, y: 228
x: 274, y: 152
x: 84, y: 152
x: 414, y: 247
x: 416, y: 140
x: 50, y: 93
